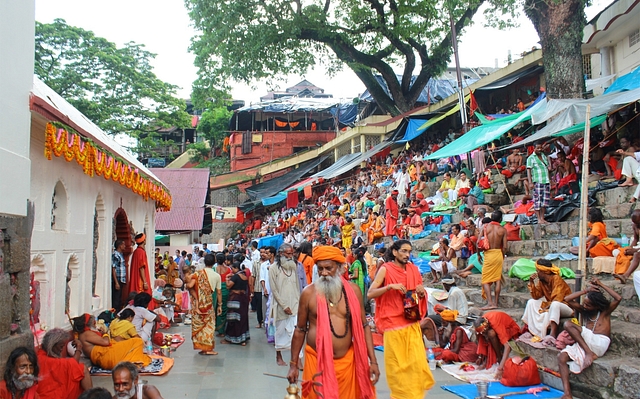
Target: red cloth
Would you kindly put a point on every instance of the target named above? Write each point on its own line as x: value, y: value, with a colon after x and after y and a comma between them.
x: 239, y: 216
x: 473, y: 104
x: 567, y: 179
x: 391, y: 212
x: 138, y: 261
x: 292, y: 199
x: 257, y: 224
x: 390, y: 305
x: 59, y: 377
x: 324, y: 348
x: 28, y: 394
x: 505, y: 328
x: 466, y: 353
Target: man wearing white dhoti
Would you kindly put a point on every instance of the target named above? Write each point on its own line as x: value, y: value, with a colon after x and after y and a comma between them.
x: 592, y: 339
x: 630, y: 166
x: 546, y: 306
x: 285, y: 296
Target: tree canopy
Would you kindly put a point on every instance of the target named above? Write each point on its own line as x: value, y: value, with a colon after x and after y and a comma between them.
x: 114, y: 87
x: 250, y: 40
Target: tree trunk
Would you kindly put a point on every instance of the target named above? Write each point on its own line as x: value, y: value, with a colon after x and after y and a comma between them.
x: 559, y: 25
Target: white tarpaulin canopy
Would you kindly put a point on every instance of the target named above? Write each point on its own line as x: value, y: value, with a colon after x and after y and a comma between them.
x: 566, y: 113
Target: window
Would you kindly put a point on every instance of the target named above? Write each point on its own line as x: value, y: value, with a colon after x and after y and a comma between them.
x: 586, y: 66
x: 59, y: 207
x: 634, y: 38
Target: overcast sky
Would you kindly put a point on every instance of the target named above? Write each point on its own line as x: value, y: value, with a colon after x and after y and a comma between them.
x: 163, y: 26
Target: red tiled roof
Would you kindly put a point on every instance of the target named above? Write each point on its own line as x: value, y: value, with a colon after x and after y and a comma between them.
x: 189, y: 191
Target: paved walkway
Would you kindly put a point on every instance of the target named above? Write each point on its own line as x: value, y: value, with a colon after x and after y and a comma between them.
x: 237, y: 372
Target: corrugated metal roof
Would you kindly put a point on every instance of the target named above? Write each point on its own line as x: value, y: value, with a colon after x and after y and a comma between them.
x: 189, y: 192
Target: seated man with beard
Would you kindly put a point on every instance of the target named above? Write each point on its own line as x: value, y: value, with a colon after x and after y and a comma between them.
x: 61, y: 377
x: 20, y: 375
x: 126, y: 385
x: 339, y: 351
x: 592, y: 339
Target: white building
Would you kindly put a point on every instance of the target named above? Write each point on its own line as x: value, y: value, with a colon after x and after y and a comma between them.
x: 611, y: 44
x: 78, y: 212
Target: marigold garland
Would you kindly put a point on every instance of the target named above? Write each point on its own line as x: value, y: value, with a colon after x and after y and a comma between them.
x: 62, y: 141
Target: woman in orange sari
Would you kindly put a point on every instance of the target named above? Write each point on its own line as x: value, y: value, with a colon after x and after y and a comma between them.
x: 364, y: 227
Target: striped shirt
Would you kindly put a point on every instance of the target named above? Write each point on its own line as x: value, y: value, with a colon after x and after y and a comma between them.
x: 539, y: 168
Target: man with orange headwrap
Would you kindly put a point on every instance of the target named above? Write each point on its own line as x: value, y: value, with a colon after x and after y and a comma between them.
x: 461, y: 348
x: 339, y: 351
x: 139, y: 272
x: 400, y: 305
x: 547, y: 304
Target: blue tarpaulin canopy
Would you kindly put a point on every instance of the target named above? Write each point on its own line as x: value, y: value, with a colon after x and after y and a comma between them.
x: 484, y: 134
x: 629, y: 81
x: 413, y: 130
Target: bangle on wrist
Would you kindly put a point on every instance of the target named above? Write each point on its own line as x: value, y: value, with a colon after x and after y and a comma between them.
x: 292, y: 363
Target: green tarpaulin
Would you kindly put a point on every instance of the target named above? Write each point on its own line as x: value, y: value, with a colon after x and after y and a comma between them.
x: 524, y: 268
x: 484, y: 134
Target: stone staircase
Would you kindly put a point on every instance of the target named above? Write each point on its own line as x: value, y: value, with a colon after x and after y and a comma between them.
x: 615, y: 375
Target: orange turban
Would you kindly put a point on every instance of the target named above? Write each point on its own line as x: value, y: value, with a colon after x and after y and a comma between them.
x: 325, y: 252
x: 449, y: 315
x: 141, y: 239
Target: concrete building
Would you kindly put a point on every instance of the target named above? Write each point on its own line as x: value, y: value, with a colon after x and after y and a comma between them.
x: 611, y: 44
x: 17, y: 32
x: 87, y: 192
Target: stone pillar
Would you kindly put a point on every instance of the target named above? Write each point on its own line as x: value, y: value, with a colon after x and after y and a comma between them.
x: 15, y: 252
x: 363, y: 143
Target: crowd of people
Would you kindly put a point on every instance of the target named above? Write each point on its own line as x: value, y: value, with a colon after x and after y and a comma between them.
x: 321, y: 292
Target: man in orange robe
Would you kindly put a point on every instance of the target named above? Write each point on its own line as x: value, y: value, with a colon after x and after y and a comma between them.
x: 398, y: 284
x: 391, y: 211
x: 494, y: 331
x: 340, y: 360
x: 140, y: 277
x: 61, y: 377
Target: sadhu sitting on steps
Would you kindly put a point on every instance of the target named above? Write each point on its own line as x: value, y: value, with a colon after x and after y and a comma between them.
x: 103, y: 352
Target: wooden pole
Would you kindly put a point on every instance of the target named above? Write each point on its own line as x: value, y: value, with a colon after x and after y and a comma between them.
x: 584, y: 205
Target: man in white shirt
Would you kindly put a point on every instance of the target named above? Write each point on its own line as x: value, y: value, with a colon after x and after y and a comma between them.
x: 402, y: 185
x: 255, y: 252
x: 144, y: 320
x: 270, y: 256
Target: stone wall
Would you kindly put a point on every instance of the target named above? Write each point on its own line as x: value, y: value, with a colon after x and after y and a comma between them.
x: 223, y: 230
x: 15, y: 247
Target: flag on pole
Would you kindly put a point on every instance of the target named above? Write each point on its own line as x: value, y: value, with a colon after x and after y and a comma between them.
x: 473, y: 104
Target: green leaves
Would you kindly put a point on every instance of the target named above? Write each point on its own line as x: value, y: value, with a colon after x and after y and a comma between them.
x: 114, y: 87
x: 214, y: 125
x: 251, y: 40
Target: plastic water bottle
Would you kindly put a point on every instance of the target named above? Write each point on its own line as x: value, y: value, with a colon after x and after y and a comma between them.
x: 624, y: 240
x: 432, y: 359
x: 149, y: 347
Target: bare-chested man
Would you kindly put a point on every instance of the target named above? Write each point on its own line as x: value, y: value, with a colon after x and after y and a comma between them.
x: 567, y: 171
x: 592, y: 339
x: 493, y: 258
x: 331, y: 317
x: 514, y: 163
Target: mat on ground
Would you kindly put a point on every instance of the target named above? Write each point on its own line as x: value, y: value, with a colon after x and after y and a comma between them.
x: 159, y: 366
x: 470, y: 391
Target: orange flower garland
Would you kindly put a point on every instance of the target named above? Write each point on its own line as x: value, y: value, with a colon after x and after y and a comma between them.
x: 94, y: 160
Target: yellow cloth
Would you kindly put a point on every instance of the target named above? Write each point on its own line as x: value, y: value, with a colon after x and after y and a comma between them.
x: 131, y: 350
x: 546, y: 269
x: 492, y: 267
x: 346, y: 235
x: 123, y: 329
x: 408, y: 374
x: 449, y: 315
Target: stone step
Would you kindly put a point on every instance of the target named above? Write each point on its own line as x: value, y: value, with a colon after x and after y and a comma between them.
x: 611, y: 376
x: 616, y: 227
x: 538, y: 247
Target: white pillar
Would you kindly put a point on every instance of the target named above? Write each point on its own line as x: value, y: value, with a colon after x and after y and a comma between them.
x: 605, y: 61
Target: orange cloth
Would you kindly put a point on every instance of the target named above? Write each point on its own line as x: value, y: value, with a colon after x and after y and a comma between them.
x: 28, y: 394
x: 345, y: 373
x: 59, y: 378
x: 390, y: 305
x: 553, y: 290
x: 466, y: 353
x: 130, y: 350
x: 599, y: 230
x: 139, y: 261
x: 622, y: 262
x: 328, y: 365
x: 307, y: 262
x: 505, y: 328
x: 326, y: 252
x: 391, y: 209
